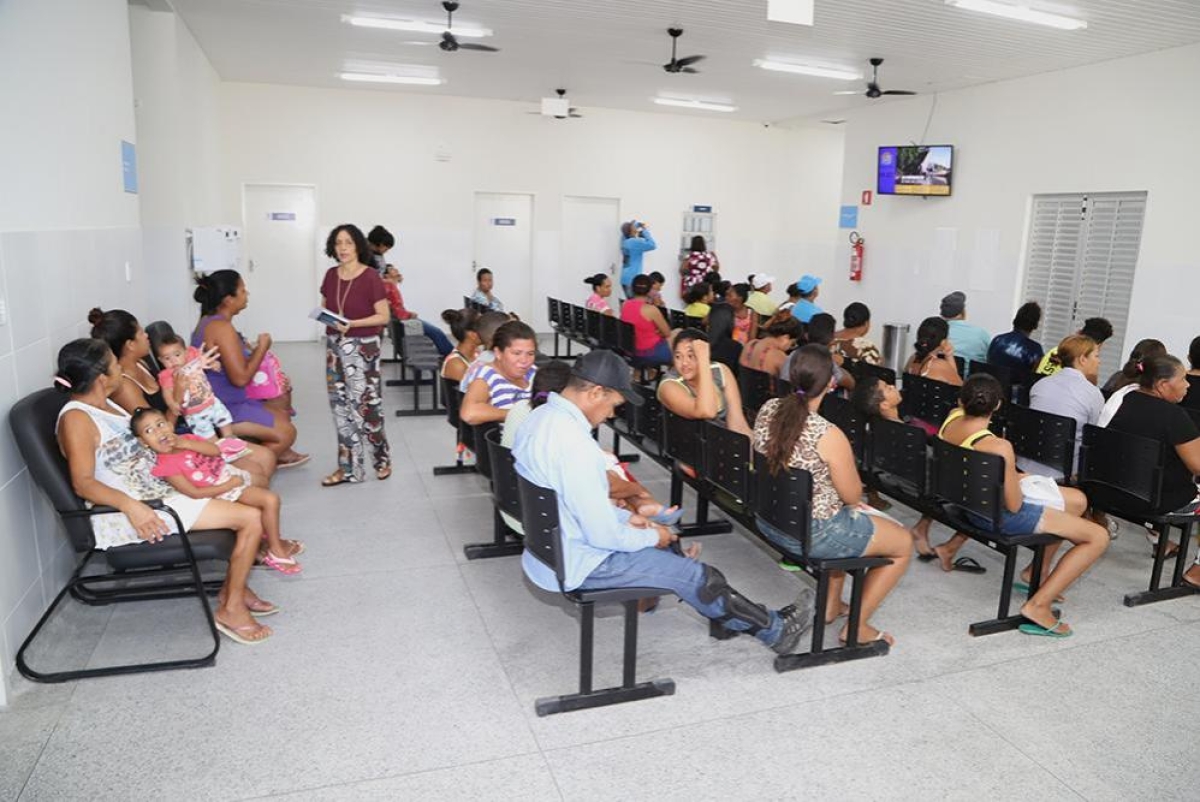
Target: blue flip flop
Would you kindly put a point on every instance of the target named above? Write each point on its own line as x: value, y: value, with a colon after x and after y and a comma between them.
x: 1041, y: 631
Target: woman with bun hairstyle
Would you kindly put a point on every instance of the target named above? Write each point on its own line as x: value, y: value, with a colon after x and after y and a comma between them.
x: 352, y: 351
x: 933, y: 355
x: 1126, y: 380
x: 109, y: 467
x: 791, y: 433
x: 463, y: 325
x: 222, y: 295
x: 968, y: 427
x: 138, y: 388
x: 601, y: 285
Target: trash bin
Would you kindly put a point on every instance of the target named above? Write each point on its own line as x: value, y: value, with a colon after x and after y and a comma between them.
x: 895, y: 346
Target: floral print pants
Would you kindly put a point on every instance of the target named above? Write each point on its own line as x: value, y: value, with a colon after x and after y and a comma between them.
x: 355, y: 396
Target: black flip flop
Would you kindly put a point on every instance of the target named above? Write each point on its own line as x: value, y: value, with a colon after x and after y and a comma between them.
x: 927, y: 558
x: 969, y: 566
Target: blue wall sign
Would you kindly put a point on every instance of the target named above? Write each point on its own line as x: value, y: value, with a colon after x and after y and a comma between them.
x: 504, y: 221
x: 848, y: 217
x: 701, y: 210
x: 129, y: 166
x: 283, y: 215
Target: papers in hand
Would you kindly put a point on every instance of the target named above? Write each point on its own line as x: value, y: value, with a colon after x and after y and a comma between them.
x: 330, y: 319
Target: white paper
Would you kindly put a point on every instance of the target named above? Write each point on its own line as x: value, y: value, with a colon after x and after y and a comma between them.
x: 941, y: 259
x: 985, y: 260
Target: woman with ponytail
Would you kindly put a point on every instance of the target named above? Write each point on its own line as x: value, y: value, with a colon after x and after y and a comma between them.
x: 601, y: 285
x: 791, y: 433
x: 968, y: 426
x: 109, y: 467
x: 933, y: 355
x: 1126, y: 380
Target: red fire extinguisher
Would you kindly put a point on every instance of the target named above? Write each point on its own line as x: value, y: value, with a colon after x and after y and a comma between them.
x: 856, y: 256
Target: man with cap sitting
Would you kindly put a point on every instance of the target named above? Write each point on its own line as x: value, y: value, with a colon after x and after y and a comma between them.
x: 969, y: 341
x: 604, y: 547
x: 760, y: 294
x: 805, y: 308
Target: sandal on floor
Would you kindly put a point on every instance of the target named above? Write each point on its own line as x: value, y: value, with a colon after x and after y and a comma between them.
x: 1033, y: 628
x: 300, y: 460
x: 968, y: 566
x: 338, y: 478
x: 284, y: 565
x: 926, y: 558
x: 236, y: 633
x: 383, y: 473
x: 265, y: 610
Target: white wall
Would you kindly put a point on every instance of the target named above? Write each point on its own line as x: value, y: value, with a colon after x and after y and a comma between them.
x: 68, y: 229
x: 372, y: 157
x: 1123, y: 125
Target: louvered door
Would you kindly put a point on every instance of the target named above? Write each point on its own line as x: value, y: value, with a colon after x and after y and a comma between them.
x: 1082, y: 254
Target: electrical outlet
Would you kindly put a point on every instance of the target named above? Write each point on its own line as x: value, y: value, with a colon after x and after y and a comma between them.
x: 3, y: 312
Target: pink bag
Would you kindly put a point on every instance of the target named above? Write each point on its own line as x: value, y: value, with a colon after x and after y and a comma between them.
x: 268, y: 382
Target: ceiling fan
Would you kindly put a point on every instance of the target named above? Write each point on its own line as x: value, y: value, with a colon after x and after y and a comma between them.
x: 873, y: 90
x: 676, y: 65
x: 557, y: 107
x: 449, y: 42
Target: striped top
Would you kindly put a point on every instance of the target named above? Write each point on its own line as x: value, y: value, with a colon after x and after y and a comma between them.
x: 502, y: 393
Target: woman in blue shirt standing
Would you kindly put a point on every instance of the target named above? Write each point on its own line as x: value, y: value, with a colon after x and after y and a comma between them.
x: 635, y: 241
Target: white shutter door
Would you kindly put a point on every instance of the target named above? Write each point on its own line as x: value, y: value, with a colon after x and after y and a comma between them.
x: 1056, y: 229
x: 1111, y: 239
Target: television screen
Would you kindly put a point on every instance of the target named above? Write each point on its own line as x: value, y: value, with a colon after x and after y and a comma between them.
x: 915, y: 170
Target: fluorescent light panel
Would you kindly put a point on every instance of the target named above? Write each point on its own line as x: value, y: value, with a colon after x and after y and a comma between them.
x: 808, y: 69
x: 699, y: 105
x: 1022, y: 13
x: 375, y: 78
x: 414, y: 25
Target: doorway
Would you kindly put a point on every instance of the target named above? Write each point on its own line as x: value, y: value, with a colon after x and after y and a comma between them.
x: 504, y: 245
x: 279, y: 223
x: 591, y: 243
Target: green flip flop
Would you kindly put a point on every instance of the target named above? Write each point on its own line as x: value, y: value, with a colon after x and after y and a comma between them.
x: 1041, y: 631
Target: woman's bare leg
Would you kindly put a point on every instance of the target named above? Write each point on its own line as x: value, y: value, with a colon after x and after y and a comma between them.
x: 268, y: 504
x: 947, y: 550
x: 246, y: 522
x: 834, y: 606
x: 1090, y: 542
x: 259, y: 463
x: 893, y: 541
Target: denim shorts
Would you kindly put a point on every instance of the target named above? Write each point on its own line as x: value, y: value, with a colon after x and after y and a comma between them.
x: 1022, y: 522
x: 847, y: 534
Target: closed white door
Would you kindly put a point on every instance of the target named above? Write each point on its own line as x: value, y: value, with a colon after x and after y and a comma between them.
x: 591, y: 244
x: 504, y: 245
x: 279, y: 223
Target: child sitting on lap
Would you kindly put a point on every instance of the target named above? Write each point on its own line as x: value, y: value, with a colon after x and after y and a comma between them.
x: 187, y: 391
x: 195, y: 468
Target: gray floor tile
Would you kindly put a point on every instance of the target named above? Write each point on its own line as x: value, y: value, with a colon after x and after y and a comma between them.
x: 23, y: 733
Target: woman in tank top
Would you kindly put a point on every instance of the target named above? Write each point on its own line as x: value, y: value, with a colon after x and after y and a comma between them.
x: 967, y: 427
x: 702, y: 389
x: 498, y: 386
x: 109, y: 466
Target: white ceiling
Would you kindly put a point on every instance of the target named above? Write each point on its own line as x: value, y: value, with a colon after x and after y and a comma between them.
x: 607, y: 52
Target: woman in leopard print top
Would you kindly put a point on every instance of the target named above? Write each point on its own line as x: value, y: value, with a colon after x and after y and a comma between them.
x: 791, y: 434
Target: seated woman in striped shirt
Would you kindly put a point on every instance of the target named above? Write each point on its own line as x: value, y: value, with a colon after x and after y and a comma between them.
x: 496, y: 387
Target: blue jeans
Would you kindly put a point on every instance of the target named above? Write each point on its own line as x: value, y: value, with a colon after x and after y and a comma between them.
x: 660, y: 568
x: 440, y: 340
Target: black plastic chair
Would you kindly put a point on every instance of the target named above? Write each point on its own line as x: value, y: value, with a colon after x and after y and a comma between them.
x: 454, y: 397
x: 727, y: 462
x: 784, y: 500
x: 496, y: 463
x: 1042, y: 437
x: 137, y: 572
x: 676, y: 319
x: 593, y: 327
x: 861, y: 370
x: 558, y: 313
x: 543, y: 539
x: 965, y: 481
x: 842, y: 414
x: 898, y: 462
x: 928, y: 399
x: 1014, y: 383
x: 683, y: 445
x: 757, y: 387
x: 420, y: 357
x: 1121, y: 473
x: 578, y: 322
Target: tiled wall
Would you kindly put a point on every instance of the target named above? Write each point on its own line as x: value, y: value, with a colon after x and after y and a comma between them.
x: 48, y: 280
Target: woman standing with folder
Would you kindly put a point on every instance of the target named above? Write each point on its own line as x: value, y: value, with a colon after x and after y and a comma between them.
x: 354, y: 291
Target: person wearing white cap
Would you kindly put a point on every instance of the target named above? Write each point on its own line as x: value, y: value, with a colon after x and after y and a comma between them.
x: 760, y: 295
x: 805, y: 308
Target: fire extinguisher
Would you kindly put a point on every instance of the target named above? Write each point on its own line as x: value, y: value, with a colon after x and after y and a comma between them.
x: 856, y: 256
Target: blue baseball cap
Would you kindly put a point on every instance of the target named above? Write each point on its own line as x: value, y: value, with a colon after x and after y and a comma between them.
x: 807, y: 284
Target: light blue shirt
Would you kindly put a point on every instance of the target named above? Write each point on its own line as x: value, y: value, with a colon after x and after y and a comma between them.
x: 969, y: 340
x: 492, y: 303
x: 1070, y: 394
x: 633, y: 248
x: 804, y: 309
x: 554, y: 449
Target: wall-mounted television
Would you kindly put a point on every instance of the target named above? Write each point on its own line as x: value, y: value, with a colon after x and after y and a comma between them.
x: 915, y: 170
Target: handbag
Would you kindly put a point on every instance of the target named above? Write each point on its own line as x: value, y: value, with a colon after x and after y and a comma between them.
x: 1042, y: 491
x: 268, y: 381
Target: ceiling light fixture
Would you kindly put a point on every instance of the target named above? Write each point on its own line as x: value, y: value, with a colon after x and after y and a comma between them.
x: 414, y: 25
x: 375, y: 78
x: 808, y: 69
x: 1022, y: 13
x: 699, y: 105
